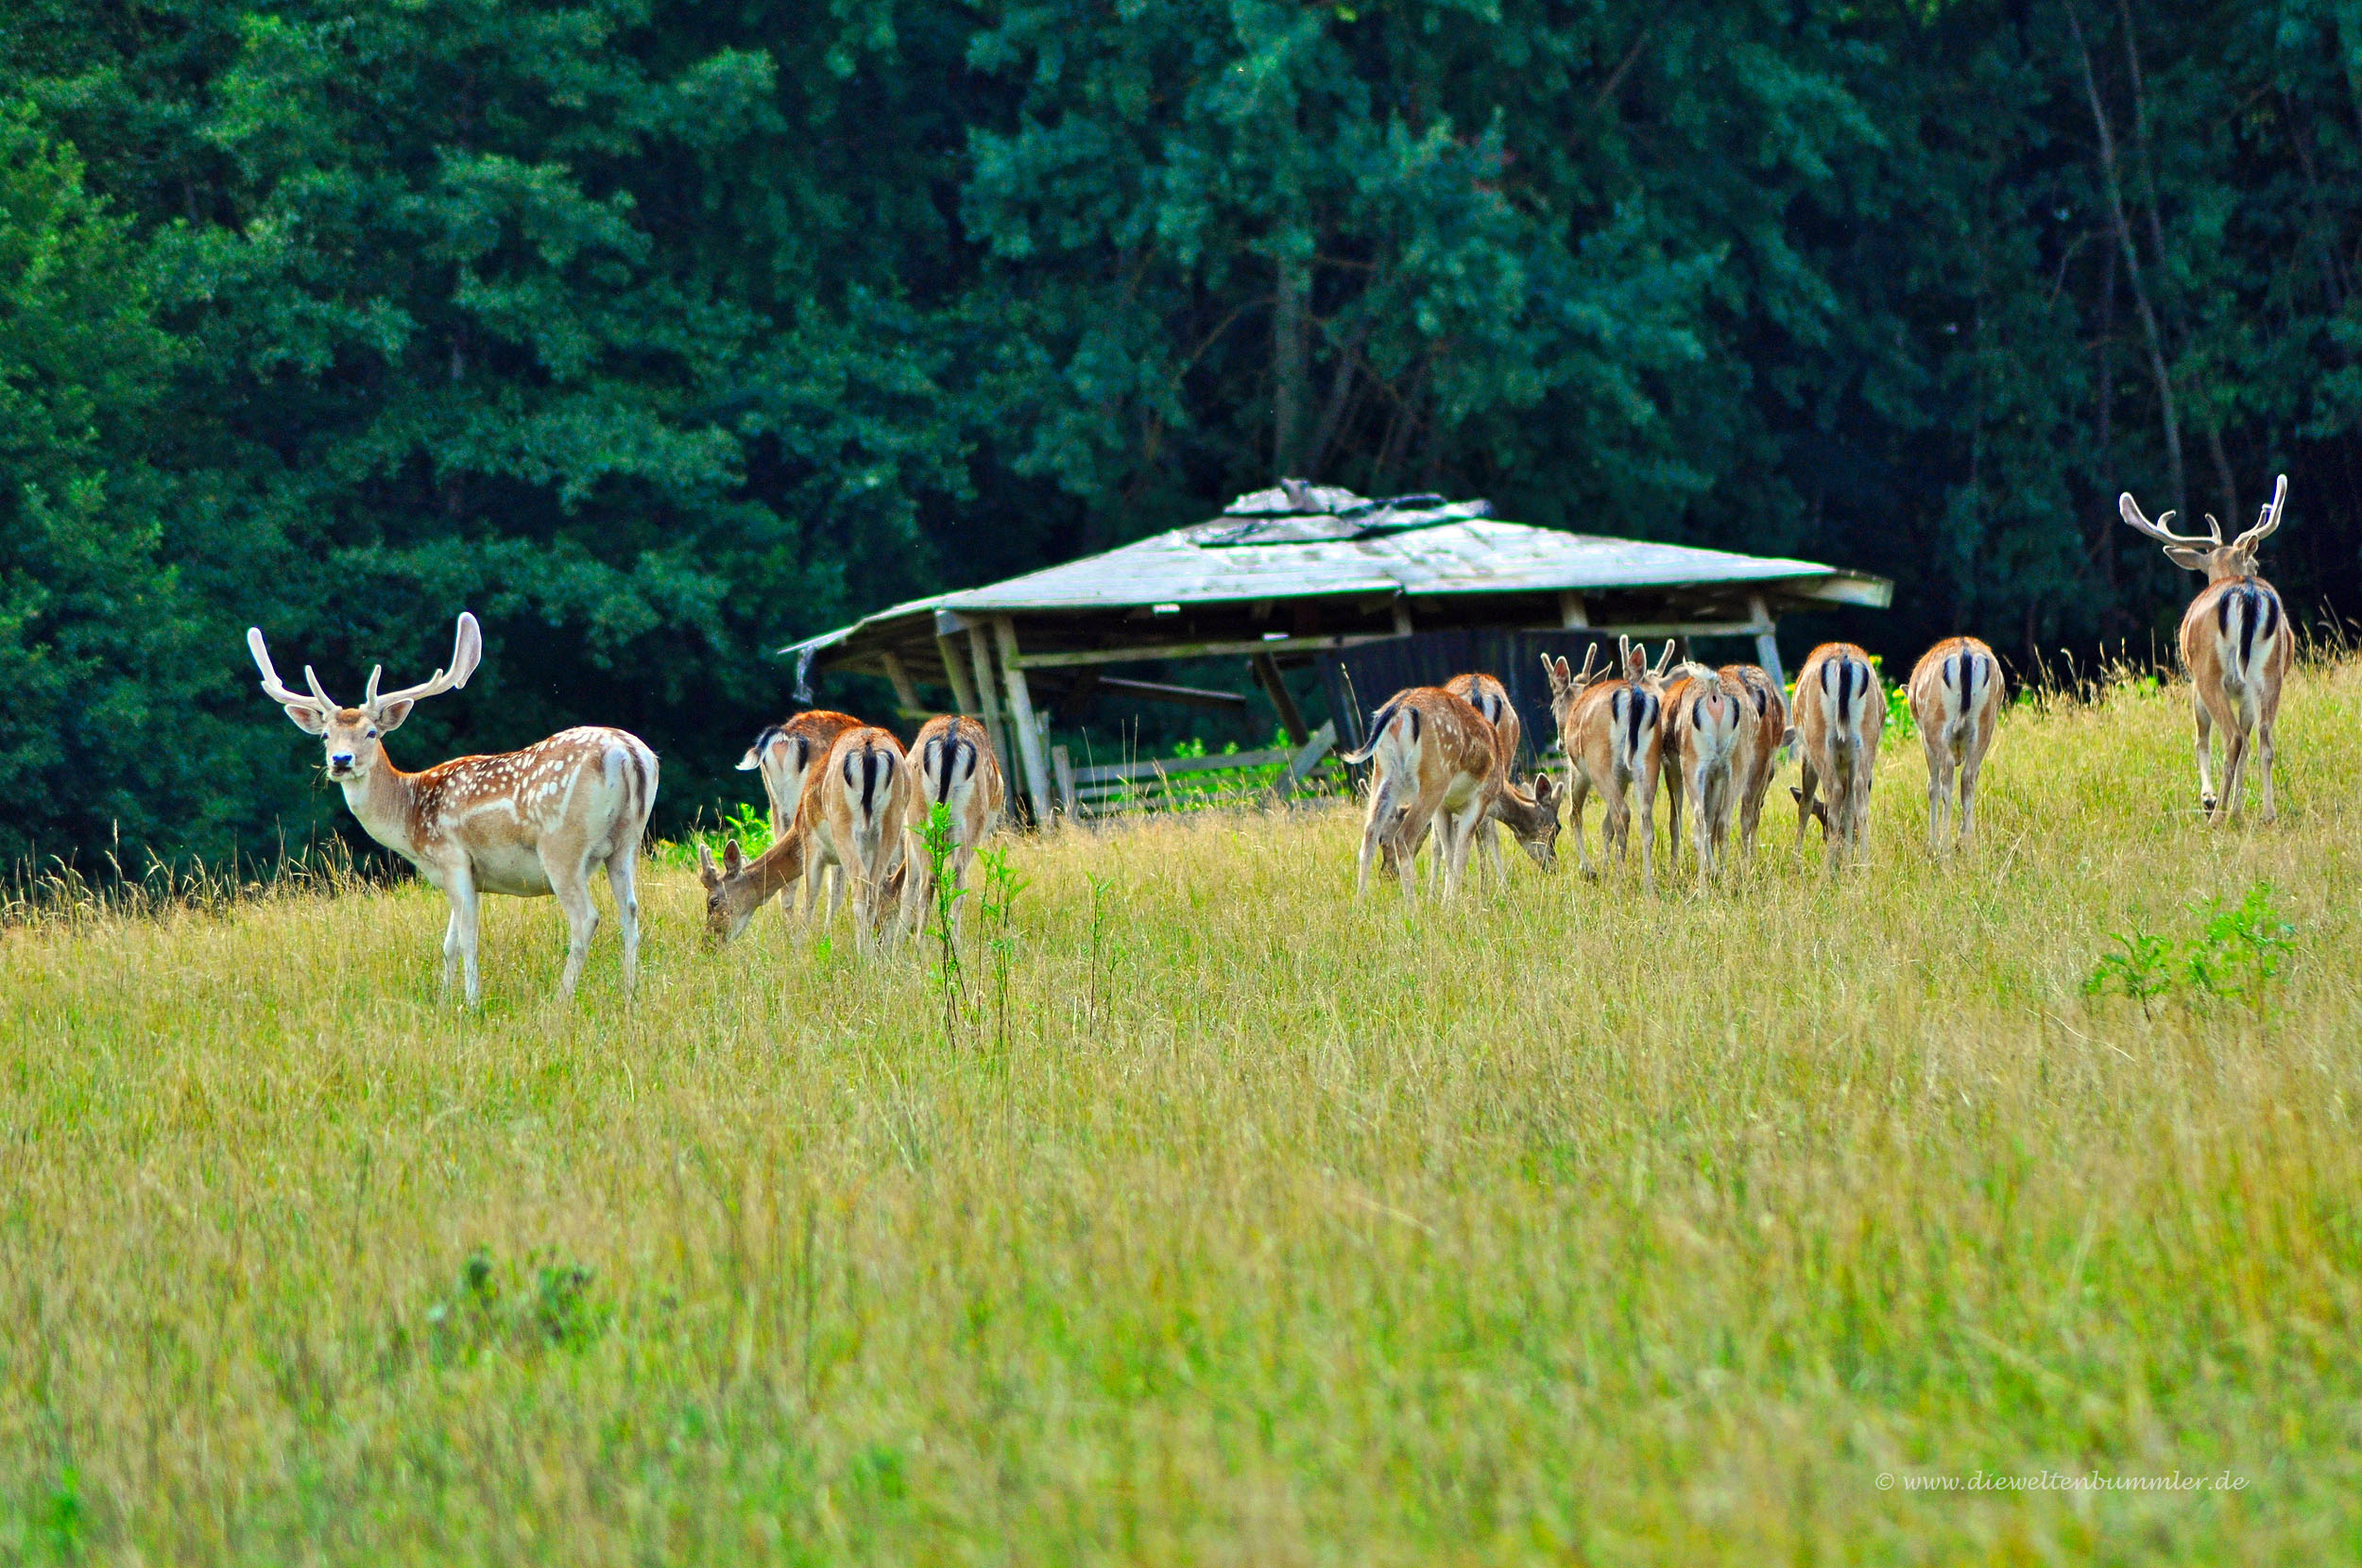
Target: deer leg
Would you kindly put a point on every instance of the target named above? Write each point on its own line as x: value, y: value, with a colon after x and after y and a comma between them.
x: 2235, y: 744
x: 2264, y: 765
x: 1968, y: 799
x: 1672, y: 819
x: 2205, y: 756
x: 1492, y: 843
x: 459, y: 886
x: 450, y: 952
x: 1805, y: 792
x: 1939, y: 796
x: 622, y: 881
x: 1406, y: 845
x: 1644, y: 806
x: 572, y: 891
x: 1579, y: 796
x: 1373, y: 836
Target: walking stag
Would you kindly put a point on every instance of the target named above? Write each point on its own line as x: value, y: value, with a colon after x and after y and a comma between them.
x: 531, y: 823
x: 1956, y: 701
x: 2235, y: 643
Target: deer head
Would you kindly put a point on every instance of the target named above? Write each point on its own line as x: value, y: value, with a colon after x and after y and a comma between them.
x: 731, y: 898
x: 354, y: 737
x: 1565, y: 686
x: 2210, y: 555
x: 1531, y: 814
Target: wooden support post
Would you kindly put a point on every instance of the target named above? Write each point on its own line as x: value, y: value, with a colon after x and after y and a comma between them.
x: 1767, y: 640
x: 1291, y: 717
x: 988, y: 698
x: 905, y: 690
x: 956, y: 676
x: 1062, y: 763
x: 1574, y: 615
x: 1402, y: 617
x: 1022, y: 719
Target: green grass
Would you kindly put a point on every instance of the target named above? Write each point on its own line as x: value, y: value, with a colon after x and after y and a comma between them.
x: 1568, y: 1224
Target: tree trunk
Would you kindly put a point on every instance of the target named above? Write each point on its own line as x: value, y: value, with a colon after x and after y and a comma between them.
x: 1291, y: 365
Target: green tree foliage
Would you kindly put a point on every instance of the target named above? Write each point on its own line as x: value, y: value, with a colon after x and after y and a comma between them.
x: 657, y: 335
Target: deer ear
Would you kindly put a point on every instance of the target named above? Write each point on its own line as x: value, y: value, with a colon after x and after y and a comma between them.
x: 389, y: 717
x: 307, y: 718
x: 2186, y: 558
x: 705, y: 872
x: 733, y: 857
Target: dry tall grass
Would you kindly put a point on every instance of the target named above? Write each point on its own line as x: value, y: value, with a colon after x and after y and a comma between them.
x: 1566, y: 1224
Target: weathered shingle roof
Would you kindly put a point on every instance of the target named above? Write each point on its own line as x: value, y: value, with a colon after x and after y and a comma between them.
x: 1312, y: 543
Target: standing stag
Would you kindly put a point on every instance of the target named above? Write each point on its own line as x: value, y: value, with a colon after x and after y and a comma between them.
x: 531, y: 823
x: 1613, y: 737
x: 785, y: 754
x: 1439, y: 762
x: 2235, y: 643
x: 1841, y: 712
x: 1956, y: 701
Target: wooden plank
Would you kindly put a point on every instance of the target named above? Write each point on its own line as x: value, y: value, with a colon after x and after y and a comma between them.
x: 905, y: 691
x: 1182, y: 765
x: 1300, y: 766
x: 989, y: 697
x: 1184, y: 696
x: 1291, y: 718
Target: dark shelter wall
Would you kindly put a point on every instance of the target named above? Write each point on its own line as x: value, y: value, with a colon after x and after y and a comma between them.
x: 661, y: 335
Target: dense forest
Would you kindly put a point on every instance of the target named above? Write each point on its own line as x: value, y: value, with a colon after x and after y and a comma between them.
x: 661, y: 334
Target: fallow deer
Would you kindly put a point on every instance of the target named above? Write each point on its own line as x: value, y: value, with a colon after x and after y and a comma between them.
x: 531, y: 823
x: 1438, y: 763
x: 956, y: 769
x: 1489, y: 697
x: 1840, y: 714
x: 784, y: 755
x: 851, y: 814
x: 1756, y: 757
x: 1707, y: 715
x: 2235, y: 644
x: 1613, y: 734
x: 1955, y: 700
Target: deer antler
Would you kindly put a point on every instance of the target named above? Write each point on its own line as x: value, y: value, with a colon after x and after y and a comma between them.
x: 1665, y: 659
x: 2131, y: 510
x: 1590, y: 657
x: 2269, y: 519
x: 466, y: 654
x: 277, y: 690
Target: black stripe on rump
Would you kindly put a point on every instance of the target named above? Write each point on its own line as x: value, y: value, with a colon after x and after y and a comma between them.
x: 2246, y: 632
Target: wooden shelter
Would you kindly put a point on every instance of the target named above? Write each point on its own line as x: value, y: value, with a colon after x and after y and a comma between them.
x: 1296, y: 571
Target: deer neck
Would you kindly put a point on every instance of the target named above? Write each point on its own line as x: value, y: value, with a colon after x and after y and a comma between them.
x: 774, y: 869
x: 385, y: 801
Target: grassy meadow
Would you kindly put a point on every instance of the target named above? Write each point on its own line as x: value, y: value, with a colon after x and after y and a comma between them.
x: 1568, y: 1224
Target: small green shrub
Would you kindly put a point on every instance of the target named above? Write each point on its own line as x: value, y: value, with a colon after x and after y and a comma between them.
x: 2238, y: 952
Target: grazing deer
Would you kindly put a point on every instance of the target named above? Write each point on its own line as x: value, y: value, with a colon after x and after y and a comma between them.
x: 531, y: 823
x: 1439, y: 762
x: 1705, y: 718
x: 851, y: 815
x: 1841, y: 712
x: 2235, y: 643
x: 957, y: 771
x: 1489, y: 697
x: 784, y: 754
x: 1955, y: 700
x: 1756, y: 757
x: 1612, y: 731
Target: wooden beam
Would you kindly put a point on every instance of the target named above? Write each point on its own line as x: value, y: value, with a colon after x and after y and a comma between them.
x: 955, y: 675
x: 1150, y: 652
x: 1062, y: 763
x: 1309, y: 757
x: 1157, y: 691
x: 1022, y: 719
x: 1291, y: 717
